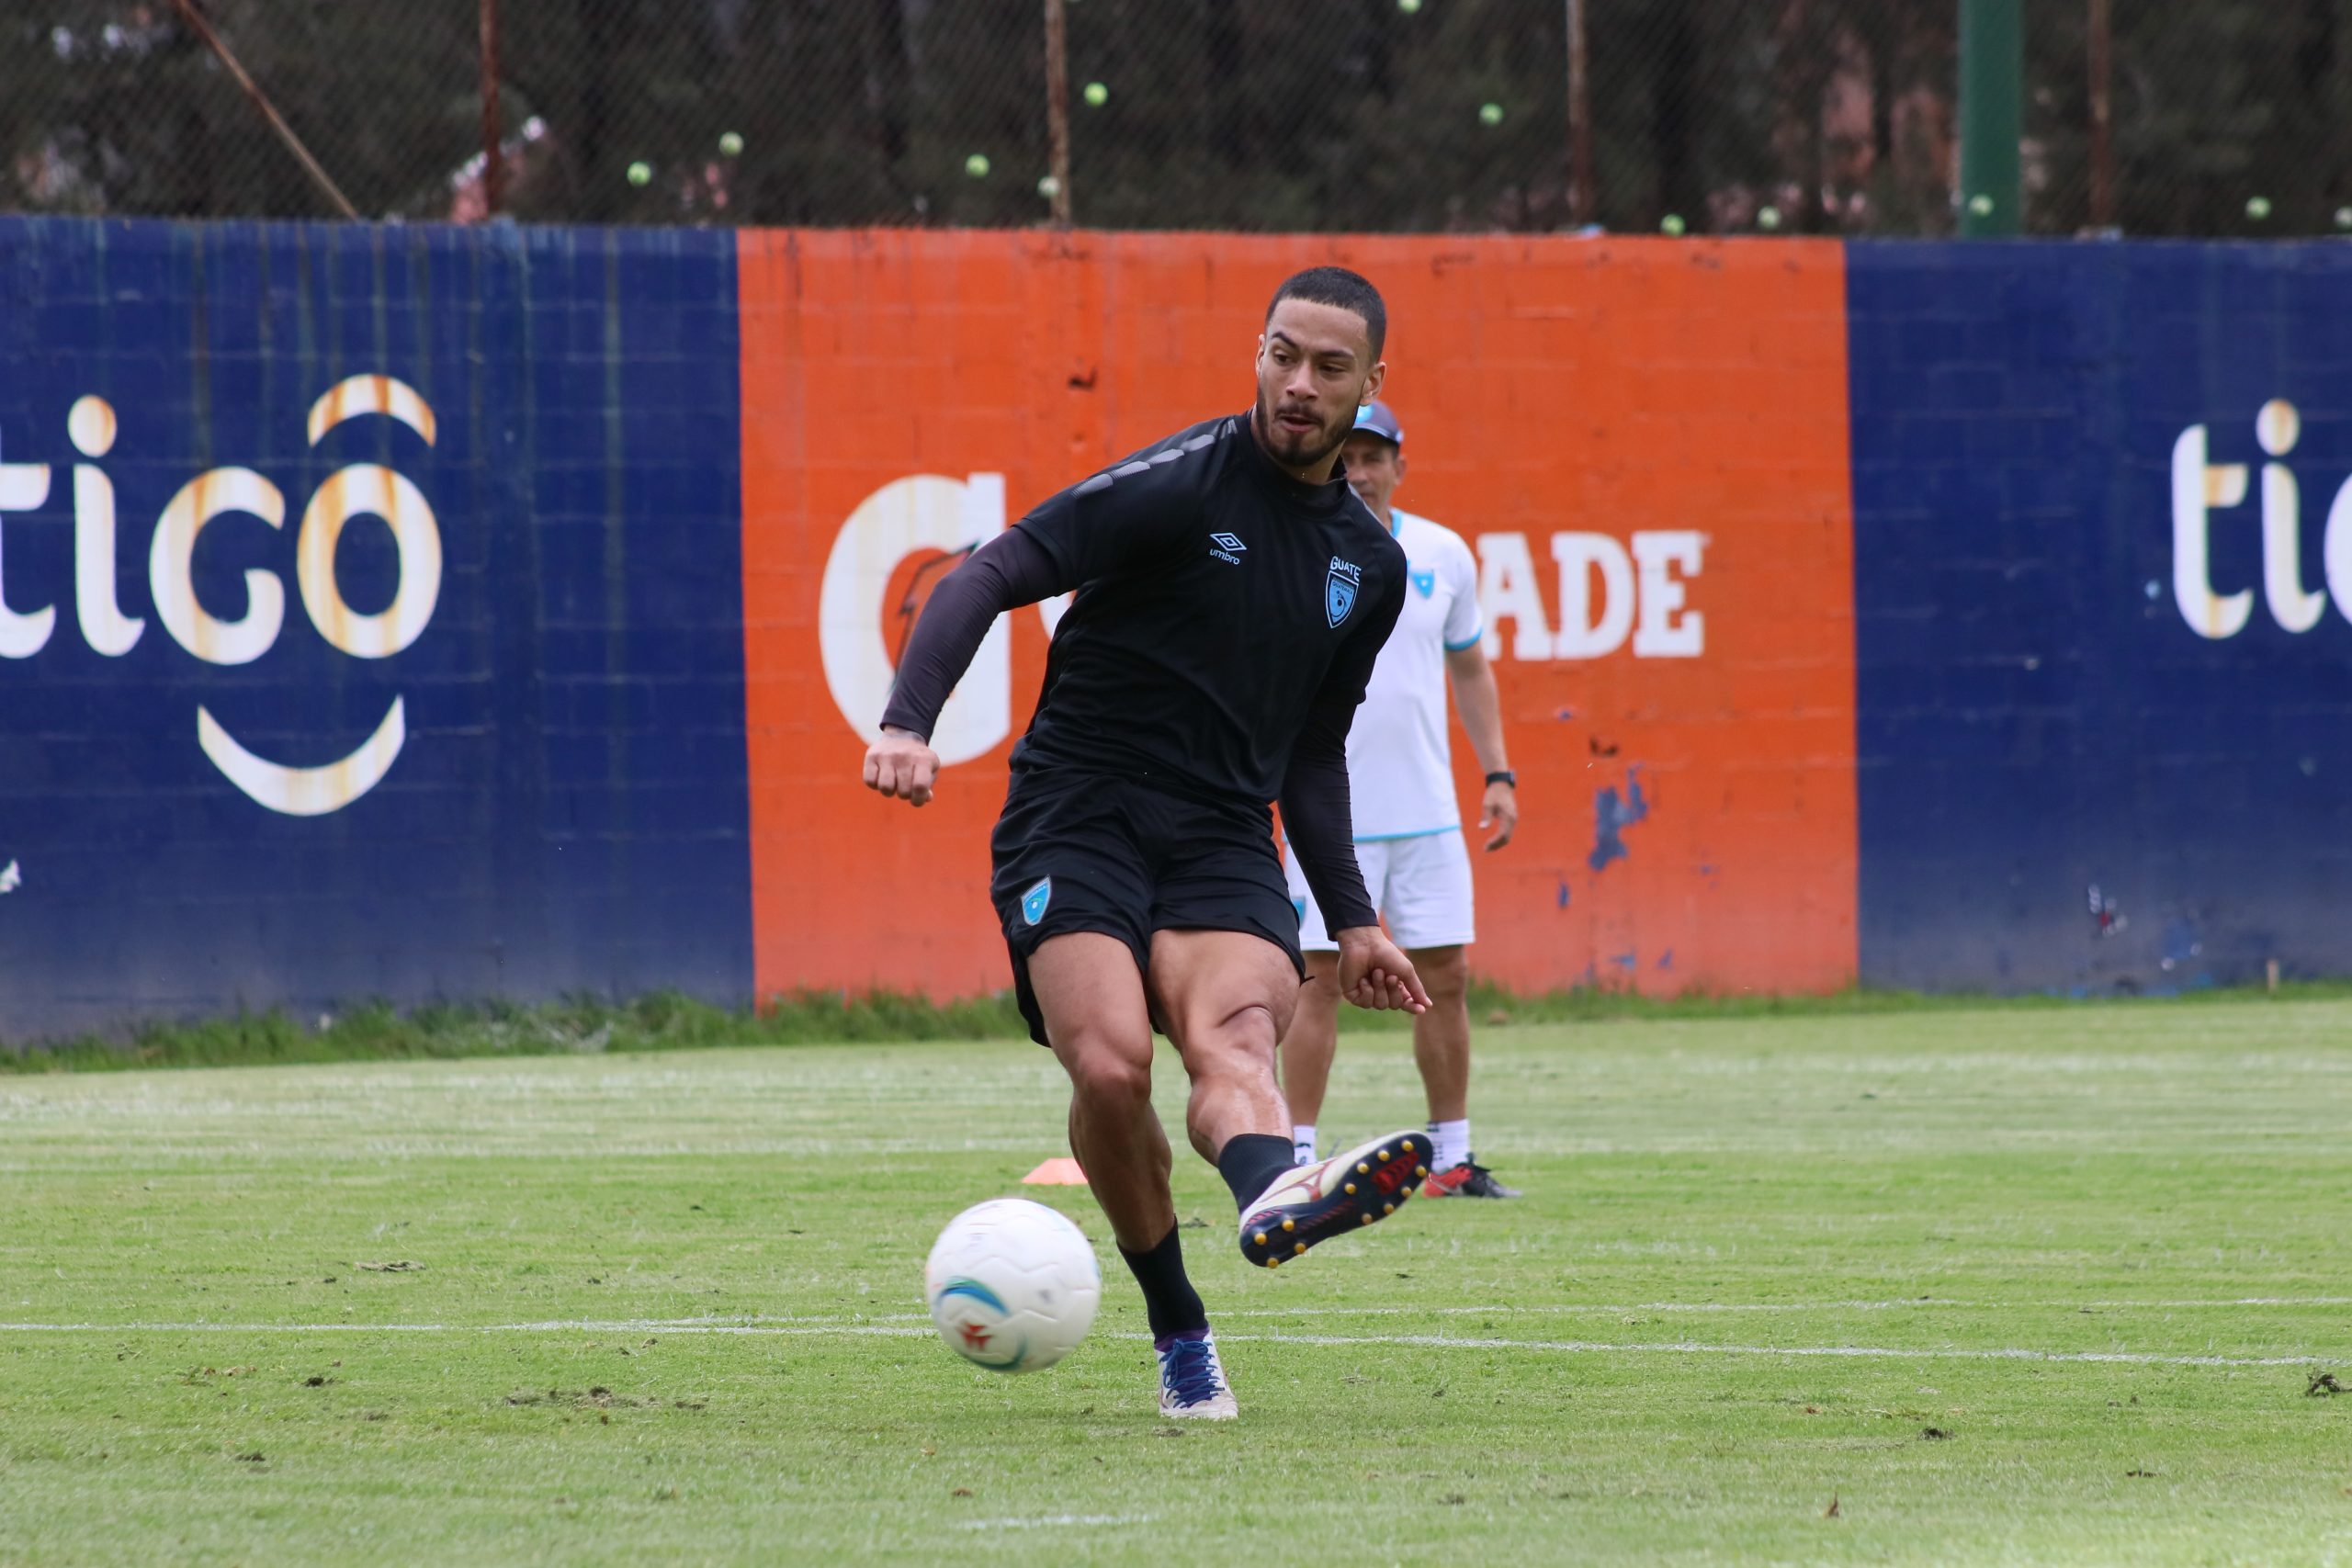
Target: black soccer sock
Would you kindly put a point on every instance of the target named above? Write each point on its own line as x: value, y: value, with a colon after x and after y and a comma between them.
x: 1168, y: 1298
x: 1250, y: 1161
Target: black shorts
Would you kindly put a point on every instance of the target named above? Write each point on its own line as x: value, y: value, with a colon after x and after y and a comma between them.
x: 1083, y: 852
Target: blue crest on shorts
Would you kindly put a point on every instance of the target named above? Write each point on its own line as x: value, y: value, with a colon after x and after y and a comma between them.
x: 1034, y: 902
x: 1425, y: 582
x: 1340, y: 589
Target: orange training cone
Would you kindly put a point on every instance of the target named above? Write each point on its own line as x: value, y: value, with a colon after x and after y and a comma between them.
x: 1061, y: 1172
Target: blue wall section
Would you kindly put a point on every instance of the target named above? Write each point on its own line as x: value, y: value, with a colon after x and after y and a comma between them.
x: 2038, y: 717
x: 568, y: 810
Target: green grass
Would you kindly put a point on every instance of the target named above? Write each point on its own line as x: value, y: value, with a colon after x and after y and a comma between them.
x: 1608, y: 1370
x: 665, y: 1020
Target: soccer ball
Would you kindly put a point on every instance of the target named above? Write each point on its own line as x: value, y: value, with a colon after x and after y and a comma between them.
x: 1012, y: 1285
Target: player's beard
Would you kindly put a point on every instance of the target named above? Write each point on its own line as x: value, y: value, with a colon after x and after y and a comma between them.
x: 1298, y: 451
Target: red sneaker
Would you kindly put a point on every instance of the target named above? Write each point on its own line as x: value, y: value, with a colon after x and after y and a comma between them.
x: 1468, y: 1179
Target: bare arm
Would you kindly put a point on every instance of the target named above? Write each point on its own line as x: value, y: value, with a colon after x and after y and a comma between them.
x: 1481, y: 704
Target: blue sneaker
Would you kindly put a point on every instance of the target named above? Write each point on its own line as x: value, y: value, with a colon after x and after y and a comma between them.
x: 1192, y: 1379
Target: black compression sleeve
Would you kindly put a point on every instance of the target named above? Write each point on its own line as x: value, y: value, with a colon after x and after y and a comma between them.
x: 1007, y: 573
x: 1319, y: 822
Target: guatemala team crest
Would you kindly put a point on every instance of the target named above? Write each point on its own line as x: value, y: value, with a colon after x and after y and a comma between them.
x: 1340, y: 589
x: 1034, y: 902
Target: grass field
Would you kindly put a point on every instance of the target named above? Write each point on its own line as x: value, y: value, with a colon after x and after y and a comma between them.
x: 2015, y: 1286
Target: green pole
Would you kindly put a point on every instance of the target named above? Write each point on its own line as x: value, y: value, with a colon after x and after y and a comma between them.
x: 1991, y: 97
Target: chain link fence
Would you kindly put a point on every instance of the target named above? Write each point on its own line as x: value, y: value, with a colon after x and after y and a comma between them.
x: 2222, y: 116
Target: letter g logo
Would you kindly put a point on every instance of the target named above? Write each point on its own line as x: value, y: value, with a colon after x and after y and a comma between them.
x: 360, y: 489
x: 860, y: 633
x: 924, y: 512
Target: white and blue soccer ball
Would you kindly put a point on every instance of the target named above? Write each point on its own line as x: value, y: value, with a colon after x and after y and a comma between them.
x: 1012, y: 1285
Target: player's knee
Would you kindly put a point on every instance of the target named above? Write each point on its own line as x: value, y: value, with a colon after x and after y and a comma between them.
x: 1220, y: 1031
x: 1236, y: 1041
x: 1322, y: 981
x: 1106, y: 1077
x: 1445, y: 974
x: 1254, y: 1030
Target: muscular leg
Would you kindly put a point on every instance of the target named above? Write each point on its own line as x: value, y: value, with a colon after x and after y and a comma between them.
x: 1091, y: 997
x: 1226, y: 1001
x: 1312, y: 1040
x: 1441, y: 1035
x: 1226, y: 997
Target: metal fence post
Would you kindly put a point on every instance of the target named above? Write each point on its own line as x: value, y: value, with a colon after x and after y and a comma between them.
x: 2102, y: 73
x: 493, y: 173
x: 1992, y: 77
x: 1579, y: 121
x: 1058, y: 107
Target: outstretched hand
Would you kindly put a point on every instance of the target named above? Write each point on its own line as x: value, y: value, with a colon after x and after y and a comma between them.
x: 902, y: 766
x: 1375, y: 974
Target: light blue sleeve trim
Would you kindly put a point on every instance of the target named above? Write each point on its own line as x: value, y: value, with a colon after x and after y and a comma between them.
x: 1473, y: 641
x: 1415, y: 833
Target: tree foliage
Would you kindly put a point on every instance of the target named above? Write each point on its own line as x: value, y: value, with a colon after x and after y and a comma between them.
x: 1826, y: 116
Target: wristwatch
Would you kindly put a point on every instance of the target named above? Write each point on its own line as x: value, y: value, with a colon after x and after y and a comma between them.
x: 1503, y: 775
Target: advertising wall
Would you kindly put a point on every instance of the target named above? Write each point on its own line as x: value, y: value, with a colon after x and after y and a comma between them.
x: 371, y: 618
x: 2103, y: 581
x: 1645, y: 445
x: 440, y: 612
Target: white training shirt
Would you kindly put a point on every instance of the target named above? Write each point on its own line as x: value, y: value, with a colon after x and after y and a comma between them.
x: 1401, y: 768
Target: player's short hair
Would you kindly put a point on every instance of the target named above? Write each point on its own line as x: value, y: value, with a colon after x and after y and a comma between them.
x: 1338, y: 286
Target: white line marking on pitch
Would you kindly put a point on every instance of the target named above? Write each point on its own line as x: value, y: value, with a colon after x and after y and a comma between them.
x: 1569, y: 1309
x: 1418, y: 1341
x: 566, y: 1326
x: 2239, y: 1302
x: 1058, y: 1520
x: 1690, y: 1347
x: 745, y: 1323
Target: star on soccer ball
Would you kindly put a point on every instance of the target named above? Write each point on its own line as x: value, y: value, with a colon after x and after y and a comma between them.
x: 975, y: 1337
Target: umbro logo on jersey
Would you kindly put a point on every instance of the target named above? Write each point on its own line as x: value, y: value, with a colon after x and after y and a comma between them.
x: 1340, y: 589
x: 1226, y: 547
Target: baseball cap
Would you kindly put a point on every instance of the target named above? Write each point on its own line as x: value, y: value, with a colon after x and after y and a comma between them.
x: 1377, y: 418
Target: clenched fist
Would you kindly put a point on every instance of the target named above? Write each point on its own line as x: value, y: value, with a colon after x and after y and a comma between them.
x: 902, y: 765
x: 1375, y: 974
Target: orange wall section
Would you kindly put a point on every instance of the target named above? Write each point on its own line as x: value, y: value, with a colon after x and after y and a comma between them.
x: 1548, y: 386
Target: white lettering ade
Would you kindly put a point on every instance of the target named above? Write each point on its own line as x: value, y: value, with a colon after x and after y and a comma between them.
x: 1607, y: 593
x: 361, y: 490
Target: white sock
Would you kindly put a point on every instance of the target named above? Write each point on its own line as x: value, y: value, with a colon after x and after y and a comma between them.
x: 1302, y: 1142
x: 1452, y: 1140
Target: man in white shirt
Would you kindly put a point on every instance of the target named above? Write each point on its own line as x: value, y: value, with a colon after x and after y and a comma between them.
x: 1407, y: 824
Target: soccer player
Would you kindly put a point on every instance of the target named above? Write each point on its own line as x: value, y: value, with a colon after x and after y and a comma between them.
x: 1232, y: 595
x: 1408, y: 830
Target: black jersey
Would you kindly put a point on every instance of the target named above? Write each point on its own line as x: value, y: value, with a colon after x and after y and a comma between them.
x: 1221, y: 602
x: 1227, y: 620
